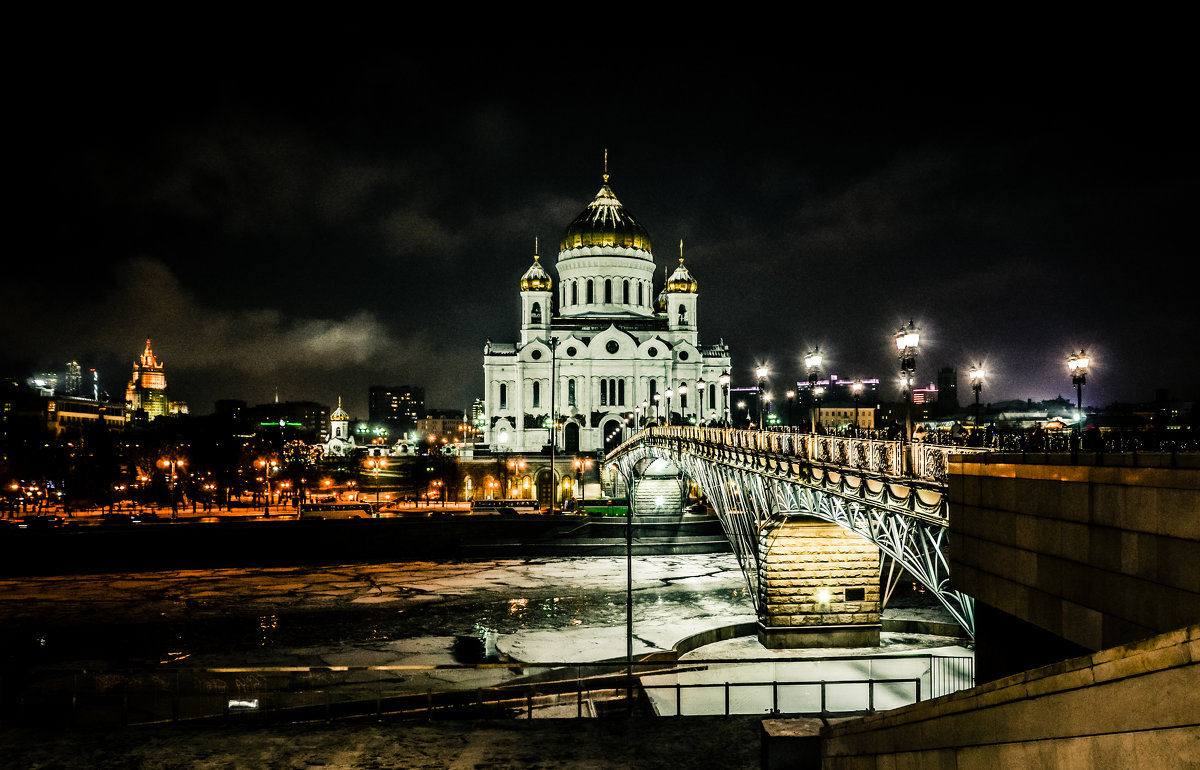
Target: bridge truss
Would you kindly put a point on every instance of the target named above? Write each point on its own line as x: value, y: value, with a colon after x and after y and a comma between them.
x: 888, y: 492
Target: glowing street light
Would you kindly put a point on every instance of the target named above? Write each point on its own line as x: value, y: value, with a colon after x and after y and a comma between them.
x: 761, y: 373
x: 976, y: 376
x: 724, y: 379
x: 856, y: 388
x: 908, y: 340
x: 1077, y: 365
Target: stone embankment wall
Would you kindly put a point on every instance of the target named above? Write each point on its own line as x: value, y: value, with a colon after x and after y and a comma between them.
x: 1098, y: 550
x: 1132, y: 706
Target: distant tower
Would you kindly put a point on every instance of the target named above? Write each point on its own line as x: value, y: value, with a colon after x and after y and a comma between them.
x: 73, y: 379
x: 147, y: 388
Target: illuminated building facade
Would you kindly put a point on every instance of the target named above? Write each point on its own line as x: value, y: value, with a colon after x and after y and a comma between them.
x: 147, y: 388
x: 601, y: 344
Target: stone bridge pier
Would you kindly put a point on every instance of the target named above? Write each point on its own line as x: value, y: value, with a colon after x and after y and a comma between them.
x: 818, y: 586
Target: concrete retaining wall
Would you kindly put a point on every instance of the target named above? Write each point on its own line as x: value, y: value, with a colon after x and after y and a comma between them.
x: 1132, y: 706
x: 1099, y: 550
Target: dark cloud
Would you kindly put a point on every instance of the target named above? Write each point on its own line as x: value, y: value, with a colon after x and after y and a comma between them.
x: 321, y: 223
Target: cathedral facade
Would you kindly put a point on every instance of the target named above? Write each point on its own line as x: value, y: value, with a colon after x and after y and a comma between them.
x: 604, y: 347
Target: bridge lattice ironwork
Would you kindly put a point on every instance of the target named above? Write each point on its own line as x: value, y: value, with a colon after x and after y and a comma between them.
x: 890, y: 492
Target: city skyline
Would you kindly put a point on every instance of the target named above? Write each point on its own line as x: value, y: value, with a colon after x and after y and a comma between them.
x: 325, y: 227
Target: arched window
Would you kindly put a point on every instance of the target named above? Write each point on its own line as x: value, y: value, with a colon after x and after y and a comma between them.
x: 535, y: 315
x: 607, y: 291
x: 682, y: 315
x: 591, y: 293
x: 537, y: 394
x: 641, y: 299
x: 625, y: 291
x: 621, y: 392
x: 570, y: 392
x: 503, y: 396
x: 574, y: 293
x: 712, y: 396
x: 682, y: 396
x: 603, y: 393
x: 653, y: 389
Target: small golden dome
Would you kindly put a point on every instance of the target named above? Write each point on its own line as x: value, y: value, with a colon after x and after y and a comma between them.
x: 681, y: 281
x: 536, y: 278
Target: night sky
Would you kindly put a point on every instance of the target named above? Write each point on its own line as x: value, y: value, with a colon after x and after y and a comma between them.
x: 312, y: 221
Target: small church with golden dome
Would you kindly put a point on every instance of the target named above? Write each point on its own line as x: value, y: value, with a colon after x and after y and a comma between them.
x: 603, y: 347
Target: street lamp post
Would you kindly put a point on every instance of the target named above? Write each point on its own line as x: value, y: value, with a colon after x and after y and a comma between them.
x: 1077, y: 365
x: 812, y: 362
x: 791, y: 398
x: 976, y: 376
x: 700, y: 401
x: 683, y: 389
x: 908, y: 340
x: 856, y: 388
x: 761, y: 374
x: 658, y: 408
x: 725, y: 397
x: 171, y: 463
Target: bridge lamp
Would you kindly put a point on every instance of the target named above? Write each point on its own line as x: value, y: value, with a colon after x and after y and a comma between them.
x: 976, y: 375
x: 791, y: 397
x: 683, y: 389
x: 699, y: 400
x: 658, y: 407
x: 812, y: 364
x: 908, y: 340
x: 761, y: 373
x: 856, y: 389
x: 1077, y: 365
x: 725, y: 397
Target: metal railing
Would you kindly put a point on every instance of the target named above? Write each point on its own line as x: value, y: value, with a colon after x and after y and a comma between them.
x: 502, y: 690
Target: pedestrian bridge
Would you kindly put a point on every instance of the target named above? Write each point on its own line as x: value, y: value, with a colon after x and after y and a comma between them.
x: 892, y: 493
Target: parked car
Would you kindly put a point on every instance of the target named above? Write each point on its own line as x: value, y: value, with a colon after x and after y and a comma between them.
x: 43, y: 522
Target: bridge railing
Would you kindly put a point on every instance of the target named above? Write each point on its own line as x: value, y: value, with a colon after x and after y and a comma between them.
x: 885, y: 457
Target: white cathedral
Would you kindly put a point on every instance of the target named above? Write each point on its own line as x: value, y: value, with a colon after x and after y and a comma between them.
x: 605, y: 348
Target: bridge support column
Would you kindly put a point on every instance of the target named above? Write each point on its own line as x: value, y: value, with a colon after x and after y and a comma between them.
x: 819, y: 586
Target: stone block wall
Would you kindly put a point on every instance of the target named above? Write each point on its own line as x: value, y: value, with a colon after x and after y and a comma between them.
x: 819, y: 586
x: 1130, y: 706
x: 1096, y: 549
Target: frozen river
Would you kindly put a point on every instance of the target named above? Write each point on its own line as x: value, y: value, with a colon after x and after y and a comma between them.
x: 368, y: 614
x: 536, y: 610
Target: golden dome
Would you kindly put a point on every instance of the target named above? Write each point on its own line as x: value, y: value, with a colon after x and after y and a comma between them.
x: 605, y: 222
x: 536, y: 278
x: 681, y: 281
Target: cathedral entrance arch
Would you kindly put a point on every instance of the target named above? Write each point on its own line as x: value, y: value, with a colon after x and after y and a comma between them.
x: 571, y: 437
x: 612, y: 435
x: 545, y: 488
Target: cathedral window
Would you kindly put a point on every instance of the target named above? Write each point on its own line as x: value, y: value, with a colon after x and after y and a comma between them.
x: 574, y: 293
x: 625, y: 291
x: 537, y: 394
x: 503, y: 396
x: 682, y: 315
x: 612, y: 392
x: 570, y: 392
x: 607, y: 291
x: 535, y: 315
x: 712, y: 395
x: 641, y: 299
x: 653, y: 389
x: 603, y: 393
x: 621, y: 392
x: 591, y: 292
